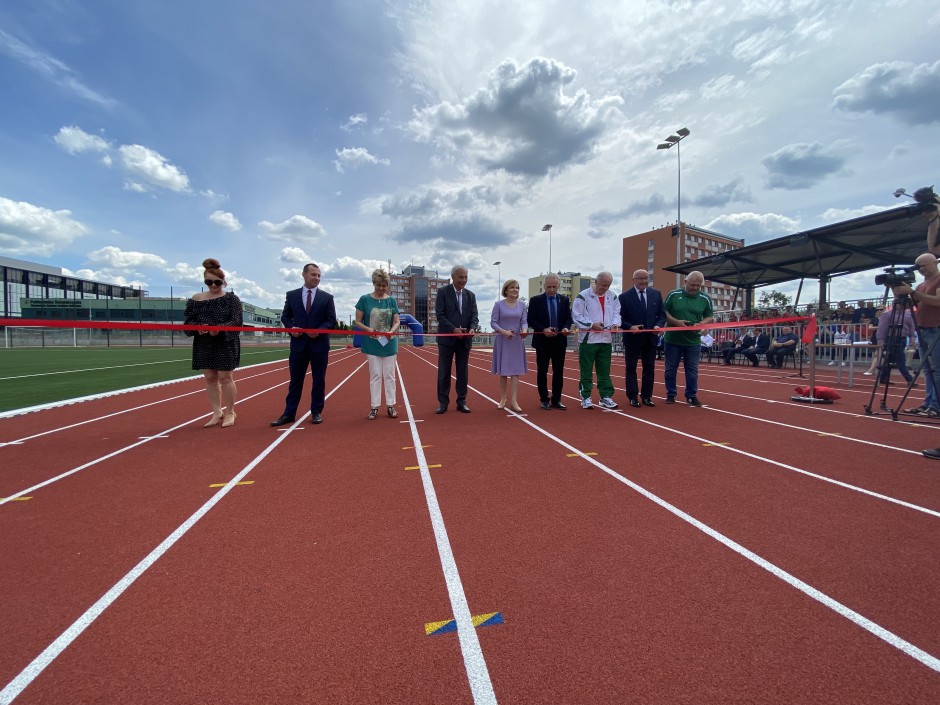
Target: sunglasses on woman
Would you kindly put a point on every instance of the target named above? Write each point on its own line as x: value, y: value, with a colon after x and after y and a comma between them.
x: 213, y: 282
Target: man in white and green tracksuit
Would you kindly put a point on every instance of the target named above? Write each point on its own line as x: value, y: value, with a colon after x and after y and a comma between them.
x: 596, y: 312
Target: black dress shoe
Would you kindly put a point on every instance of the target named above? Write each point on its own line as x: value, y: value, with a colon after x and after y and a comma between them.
x: 693, y: 401
x: 283, y: 420
x: 634, y: 402
x: 932, y: 453
x: 441, y: 409
x: 648, y: 402
x: 558, y: 405
x: 546, y: 405
x: 315, y: 418
x: 670, y: 398
x: 463, y: 408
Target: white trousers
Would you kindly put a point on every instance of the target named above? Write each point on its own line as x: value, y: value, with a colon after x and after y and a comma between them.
x: 382, y: 370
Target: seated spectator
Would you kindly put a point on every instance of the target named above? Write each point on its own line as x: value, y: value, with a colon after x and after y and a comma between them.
x: 742, y: 343
x: 760, y: 346
x: 784, y: 345
x: 708, y: 343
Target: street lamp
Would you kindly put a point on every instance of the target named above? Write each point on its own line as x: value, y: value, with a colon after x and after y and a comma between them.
x: 499, y: 276
x: 670, y: 141
x: 548, y: 227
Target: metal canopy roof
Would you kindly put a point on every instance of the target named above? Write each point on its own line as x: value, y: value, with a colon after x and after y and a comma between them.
x: 895, y: 236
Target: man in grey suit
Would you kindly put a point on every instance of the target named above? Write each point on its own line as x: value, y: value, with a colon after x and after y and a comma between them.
x: 456, y: 311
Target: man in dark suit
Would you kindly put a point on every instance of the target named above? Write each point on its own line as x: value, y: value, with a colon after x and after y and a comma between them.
x: 740, y: 345
x: 641, y: 308
x: 550, y: 317
x: 761, y: 345
x: 312, y: 308
x: 456, y: 311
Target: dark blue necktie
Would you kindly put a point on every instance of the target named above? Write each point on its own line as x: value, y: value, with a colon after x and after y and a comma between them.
x: 552, y: 316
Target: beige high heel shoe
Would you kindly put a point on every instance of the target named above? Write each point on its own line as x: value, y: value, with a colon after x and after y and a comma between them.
x: 229, y: 419
x: 515, y: 407
x: 502, y: 404
x: 214, y: 421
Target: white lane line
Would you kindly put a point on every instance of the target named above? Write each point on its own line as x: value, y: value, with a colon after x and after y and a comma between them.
x: 20, y: 441
x: 117, y: 367
x: 161, y: 434
x: 104, y: 395
x: 868, y: 625
x: 51, y: 652
x: 119, y: 451
x: 792, y: 468
x: 477, y: 672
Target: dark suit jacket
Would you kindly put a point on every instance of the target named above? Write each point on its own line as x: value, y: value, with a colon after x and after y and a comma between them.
x: 633, y: 314
x: 762, y: 344
x: 539, y: 318
x: 450, y: 318
x: 322, y: 315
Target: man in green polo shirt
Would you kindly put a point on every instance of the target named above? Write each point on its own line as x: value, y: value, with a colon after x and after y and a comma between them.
x: 686, y: 307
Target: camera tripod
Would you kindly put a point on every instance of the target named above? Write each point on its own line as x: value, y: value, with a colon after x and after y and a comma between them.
x: 892, y: 347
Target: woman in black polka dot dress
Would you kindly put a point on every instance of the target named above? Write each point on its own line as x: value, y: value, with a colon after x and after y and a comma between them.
x: 216, y: 353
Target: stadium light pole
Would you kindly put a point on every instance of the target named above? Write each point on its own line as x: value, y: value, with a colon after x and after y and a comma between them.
x: 548, y: 227
x: 499, y: 276
x: 668, y: 144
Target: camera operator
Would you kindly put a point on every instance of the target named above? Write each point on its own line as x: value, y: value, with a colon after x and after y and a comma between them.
x: 930, y: 201
x: 927, y: 300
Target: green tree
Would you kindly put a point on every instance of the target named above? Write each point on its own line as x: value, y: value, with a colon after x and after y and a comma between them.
x: 773, y: 299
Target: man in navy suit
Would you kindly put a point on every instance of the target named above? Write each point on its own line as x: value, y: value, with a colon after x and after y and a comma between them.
x: 550, y: 317
x: 456, y: 311
x: 312, y: 308
x: 641, y: 308
x: 761, y: 345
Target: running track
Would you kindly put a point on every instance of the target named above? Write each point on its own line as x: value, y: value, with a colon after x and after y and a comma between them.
x: 752, y: 551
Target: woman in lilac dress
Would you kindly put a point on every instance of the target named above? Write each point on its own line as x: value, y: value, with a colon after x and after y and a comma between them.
x: 511, y: 327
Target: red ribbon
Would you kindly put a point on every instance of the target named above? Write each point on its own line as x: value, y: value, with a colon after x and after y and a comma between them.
x: 120, y: 325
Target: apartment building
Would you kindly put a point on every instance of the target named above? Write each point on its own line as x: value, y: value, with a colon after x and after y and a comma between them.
x: 670, y: 245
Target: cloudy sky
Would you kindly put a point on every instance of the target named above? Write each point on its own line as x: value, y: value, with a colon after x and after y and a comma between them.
x: 140, y: 136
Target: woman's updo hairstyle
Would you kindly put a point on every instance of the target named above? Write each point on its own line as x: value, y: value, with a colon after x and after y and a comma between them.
x: 213, y: 267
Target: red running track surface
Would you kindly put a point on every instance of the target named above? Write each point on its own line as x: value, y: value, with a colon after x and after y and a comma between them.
x: 751, y: 551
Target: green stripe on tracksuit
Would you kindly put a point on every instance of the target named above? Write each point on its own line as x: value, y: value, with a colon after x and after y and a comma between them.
x: 591, y: 355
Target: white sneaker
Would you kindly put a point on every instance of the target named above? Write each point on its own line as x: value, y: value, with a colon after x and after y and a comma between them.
x: 608, y: 403
x: 845, y: 364
x: 869, y: 374
x: 586, y: 403
x: 833, y: 363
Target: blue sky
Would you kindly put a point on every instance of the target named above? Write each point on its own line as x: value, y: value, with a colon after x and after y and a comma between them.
x: 139, y: 137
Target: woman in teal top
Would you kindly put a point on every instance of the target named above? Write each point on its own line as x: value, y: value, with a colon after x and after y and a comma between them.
x: 378, y: 313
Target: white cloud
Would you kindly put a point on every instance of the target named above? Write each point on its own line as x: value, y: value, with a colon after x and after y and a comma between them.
x: 153, y: 168
x: 297, y: 228
x: 801, y: 165
x: 51, y: 69
x: 294, y: 255
x: 352, y: 269
x: 754, y: 226
x: 115, y: 258
x: 835, y: 215
x: 522, y: 121
x: 900, y: 88
x: 355, y: 121
x: 355, y: 157
x: 26, y: 229
x: 75, y: 140
x: 225, y: 220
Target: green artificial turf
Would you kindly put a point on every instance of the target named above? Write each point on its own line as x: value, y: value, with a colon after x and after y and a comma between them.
x: 30, y: 376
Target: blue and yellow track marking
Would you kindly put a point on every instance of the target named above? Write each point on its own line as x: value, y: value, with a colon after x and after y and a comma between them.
x: 450, y: 625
